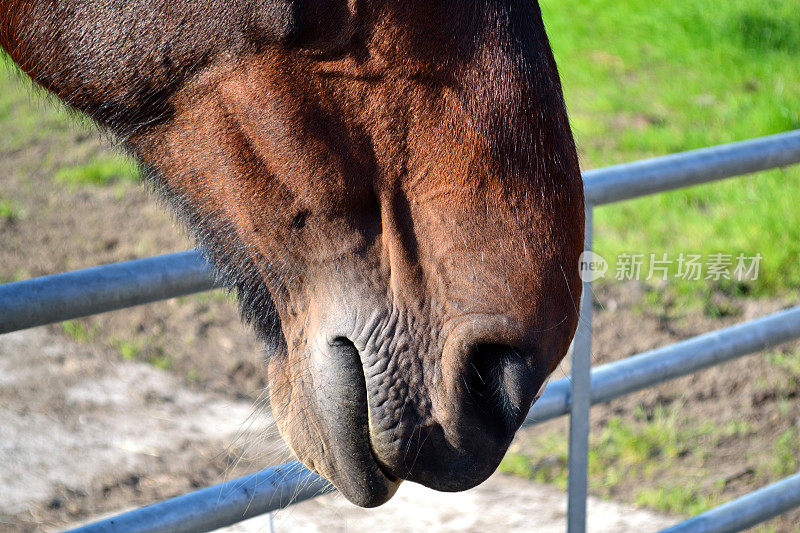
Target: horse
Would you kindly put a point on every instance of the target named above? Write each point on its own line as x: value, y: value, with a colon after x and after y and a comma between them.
x: 391, y: 188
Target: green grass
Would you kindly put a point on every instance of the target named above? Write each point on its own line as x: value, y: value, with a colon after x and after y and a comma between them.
x: 193, y: 375
x: 645, y: 448
x: 787, y: 361
x: 100, y: 171
x: 28, y: 117
x: 127, y: 349
x: 545, y: 461
x: 11, y: 211
x: 133, y: 350
x: 648, y: 78
x: 785, y: 457
x: 160, y: 360
x: 79, y: 331
x: 676, y: 499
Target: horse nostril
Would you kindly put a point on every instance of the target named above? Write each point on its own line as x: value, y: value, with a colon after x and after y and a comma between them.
x: 501, y: 384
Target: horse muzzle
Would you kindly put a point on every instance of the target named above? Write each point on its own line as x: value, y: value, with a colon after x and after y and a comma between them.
x: 386, y: 411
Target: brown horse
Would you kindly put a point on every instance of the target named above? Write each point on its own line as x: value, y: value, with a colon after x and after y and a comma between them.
x: 391, y: 186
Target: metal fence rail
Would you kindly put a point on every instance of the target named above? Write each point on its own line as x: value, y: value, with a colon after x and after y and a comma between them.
x: 39, y: 301
x: 675, y: 171
x: 221, y: 505
x: 650, y: 368
x: 747, y: 511
x: 70, y: 295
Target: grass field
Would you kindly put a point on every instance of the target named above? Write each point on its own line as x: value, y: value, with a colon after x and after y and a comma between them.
x: 649, y: 78
x: 643, y: 79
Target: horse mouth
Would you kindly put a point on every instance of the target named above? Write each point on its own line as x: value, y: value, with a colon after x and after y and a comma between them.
x: 352, y: 465
x: 382, y: 469
x: 371, y: 485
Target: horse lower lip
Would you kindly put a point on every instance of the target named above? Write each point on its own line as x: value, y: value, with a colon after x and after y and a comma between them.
x: 389, y: 476
x: 382, y: 487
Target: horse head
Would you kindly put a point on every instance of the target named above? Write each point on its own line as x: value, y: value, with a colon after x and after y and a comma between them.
x: 391, y: 186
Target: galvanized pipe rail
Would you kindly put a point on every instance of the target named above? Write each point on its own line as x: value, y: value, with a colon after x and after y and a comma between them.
x: 70, y: 295
x: 747, y: 511
x: 580, y: 401
x: 220, y: 505
x: 676, y: 171
x: 646, y: 369
x: 40, y: 301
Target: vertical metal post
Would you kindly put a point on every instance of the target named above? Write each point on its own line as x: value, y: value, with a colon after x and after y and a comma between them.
x: 580, y: 402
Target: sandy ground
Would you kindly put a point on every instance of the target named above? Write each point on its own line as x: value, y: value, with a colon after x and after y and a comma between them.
x: 503, y: 504
x: 70, y: 419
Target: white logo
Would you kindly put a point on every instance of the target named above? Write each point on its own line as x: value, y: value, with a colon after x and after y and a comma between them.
x: 592, y: 266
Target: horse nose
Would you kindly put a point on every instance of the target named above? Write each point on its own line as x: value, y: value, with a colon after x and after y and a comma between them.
x: 500, y: 386
x: 491, y: 375
x: 495, y: 371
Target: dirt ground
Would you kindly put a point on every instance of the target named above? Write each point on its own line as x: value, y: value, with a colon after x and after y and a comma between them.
x: 82, y: 436
x: 191, y: 355
x: 82, y: 433
x: 503, y: 504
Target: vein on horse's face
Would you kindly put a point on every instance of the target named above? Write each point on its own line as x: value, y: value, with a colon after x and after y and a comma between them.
x: 391, y: 188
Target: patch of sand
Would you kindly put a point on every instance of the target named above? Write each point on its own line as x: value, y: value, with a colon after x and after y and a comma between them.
x: 502, y: 504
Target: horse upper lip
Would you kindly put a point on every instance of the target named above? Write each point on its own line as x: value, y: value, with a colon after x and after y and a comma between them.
x: 350, y: 463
